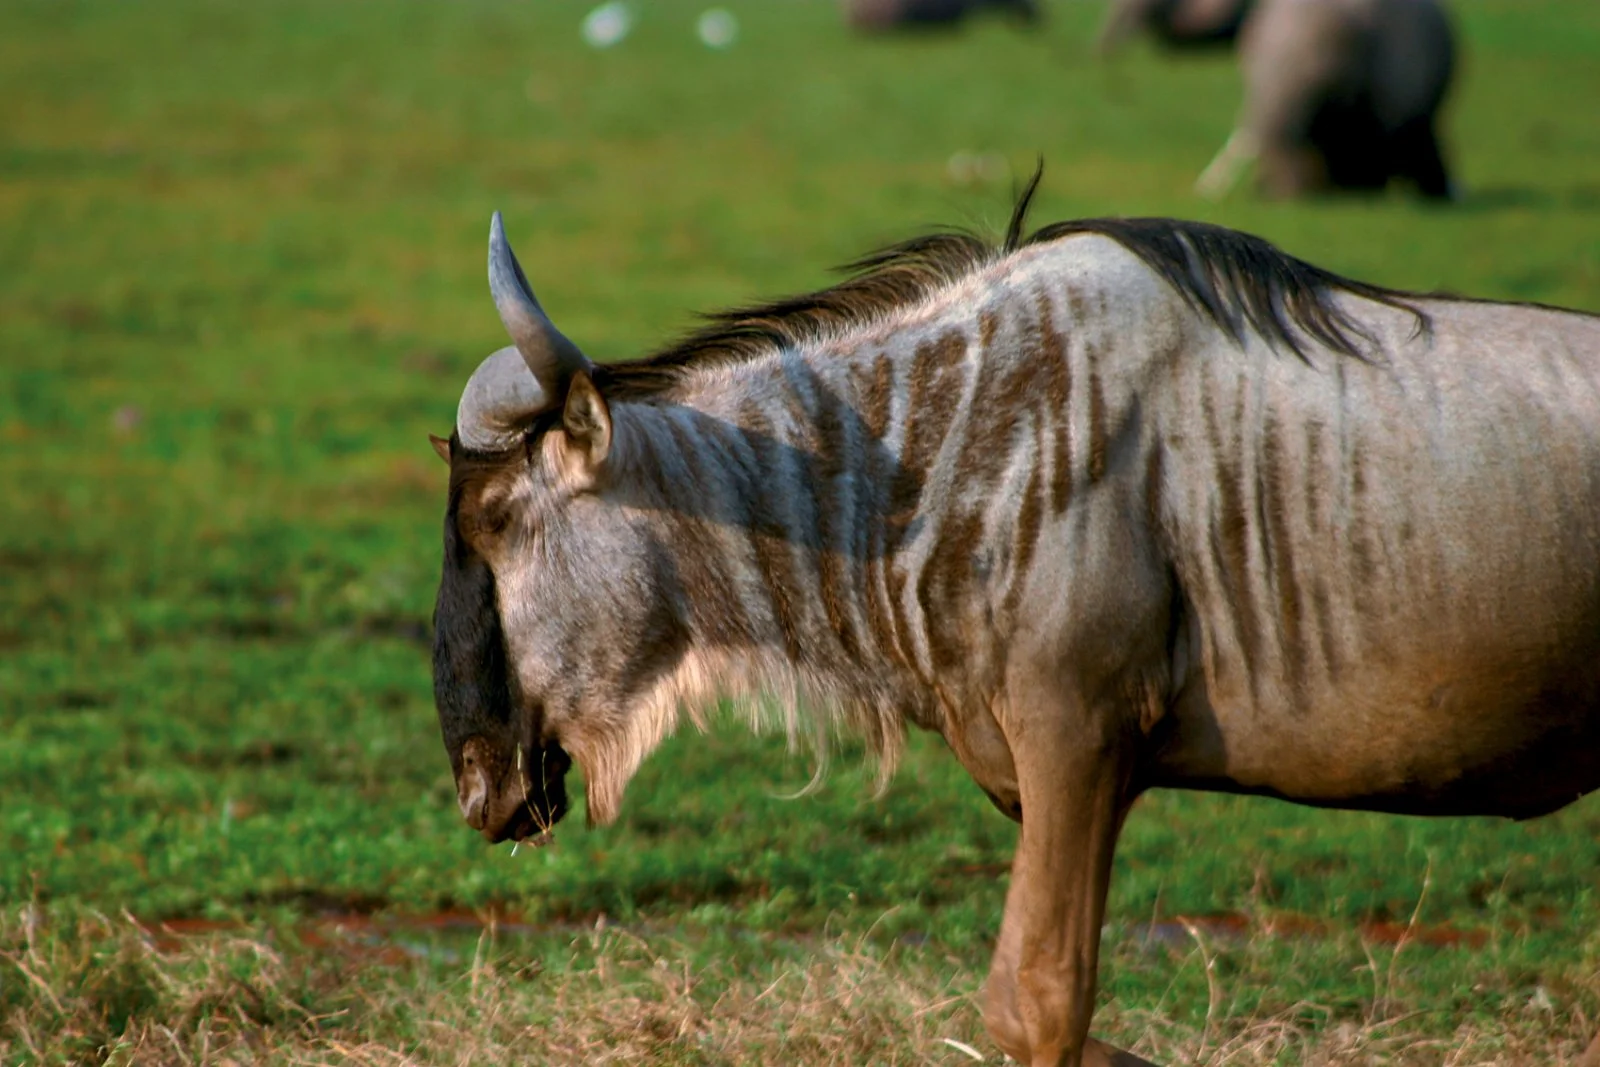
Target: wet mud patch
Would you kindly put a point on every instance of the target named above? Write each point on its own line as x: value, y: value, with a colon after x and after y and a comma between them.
x: 320, y: 903
x: 1181, y: 931
x: 356, y: 928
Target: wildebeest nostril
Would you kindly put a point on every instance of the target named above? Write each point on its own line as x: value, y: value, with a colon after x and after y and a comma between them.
x: 472, y: 794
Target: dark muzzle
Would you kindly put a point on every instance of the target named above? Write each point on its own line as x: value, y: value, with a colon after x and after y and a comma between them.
x: 515, y: 798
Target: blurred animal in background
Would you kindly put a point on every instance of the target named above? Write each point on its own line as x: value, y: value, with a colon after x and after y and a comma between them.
x: 895, y: 14
x: 1340, y: 94
x: 1174, y: 23
x: 1124, y: 504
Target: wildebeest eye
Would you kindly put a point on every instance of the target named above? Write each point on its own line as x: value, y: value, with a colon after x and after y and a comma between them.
x: 494, y: 519
x: 487, y: 517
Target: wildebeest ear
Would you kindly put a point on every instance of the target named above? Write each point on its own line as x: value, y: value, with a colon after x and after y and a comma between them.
x: 586, y: 418
x: 441, y: 445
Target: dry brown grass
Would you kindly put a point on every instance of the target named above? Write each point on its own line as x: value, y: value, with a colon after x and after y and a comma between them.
x: 109, y: 991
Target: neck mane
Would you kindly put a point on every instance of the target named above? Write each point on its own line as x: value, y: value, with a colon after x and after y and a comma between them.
x: 1239, y: 282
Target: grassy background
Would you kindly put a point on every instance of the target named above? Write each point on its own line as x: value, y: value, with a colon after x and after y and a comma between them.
x: 241, y: 277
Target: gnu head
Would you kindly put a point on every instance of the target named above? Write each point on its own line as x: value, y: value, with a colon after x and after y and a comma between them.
x: 512, y: 640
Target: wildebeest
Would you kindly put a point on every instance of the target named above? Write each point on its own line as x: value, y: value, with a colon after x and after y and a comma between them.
x: 1178, y: 24
x: 1124, y: 504
x: 1340, y: 94
x: 890, y: 14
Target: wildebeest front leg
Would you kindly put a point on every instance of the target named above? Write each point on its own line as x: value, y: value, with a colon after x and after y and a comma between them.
x: 1040, y: 993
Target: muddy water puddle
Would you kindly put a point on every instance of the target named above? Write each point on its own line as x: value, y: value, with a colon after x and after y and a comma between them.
x: 391, y: 938
x: 1235, y: 927
x: 451, y: 935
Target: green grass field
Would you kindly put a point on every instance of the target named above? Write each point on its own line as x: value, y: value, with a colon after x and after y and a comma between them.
x: 241, y: 278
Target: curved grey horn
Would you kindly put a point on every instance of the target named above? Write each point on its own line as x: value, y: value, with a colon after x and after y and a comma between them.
x: 499, y: 399
x: 549, y: 355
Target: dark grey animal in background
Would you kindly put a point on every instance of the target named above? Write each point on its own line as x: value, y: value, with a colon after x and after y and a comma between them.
x: 893, y: 14
x: 1174, y: 23
x: 1340, y: 94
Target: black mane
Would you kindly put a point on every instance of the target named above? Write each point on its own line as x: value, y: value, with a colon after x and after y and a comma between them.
x: 1238, y: 280
x: 1235, y: 279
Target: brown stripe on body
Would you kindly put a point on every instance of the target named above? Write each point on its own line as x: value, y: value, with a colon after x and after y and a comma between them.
x: 944, y: 590
x: 1203, y: 593
x: 1004, y: 395
x: 1097, y: 418
x: 880, y: 615
x: 1230, y: 541
x: 768, y: 536
x: 999, y: 400
x: 777, y: 574
x: 715, y: 605
x: 692, y: 446
x: 1361, y: 551
x: 1061, y: 466
x: 1044, y: 353
x: 1056, y: 381
x: 717, y: 610
x: 1276, y: 501
x: 1262, y: 528
x: 835, y: 519
x: 934, y: 376
x: 988, y: 323
x: 926, y: 421
x: 1314, y: 484
x: 1155, y: 472
x: 878, y: 524
x: 800, y: 395
x: 1077, y: 304
x: 894, y: 580
x: 1025, y: 539
x: 1322, y: 608
x: 687, y: 446
x: 1363, y: 568
x: 875, y: 389
x: 998, y: 403
x: 1365, y: 555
